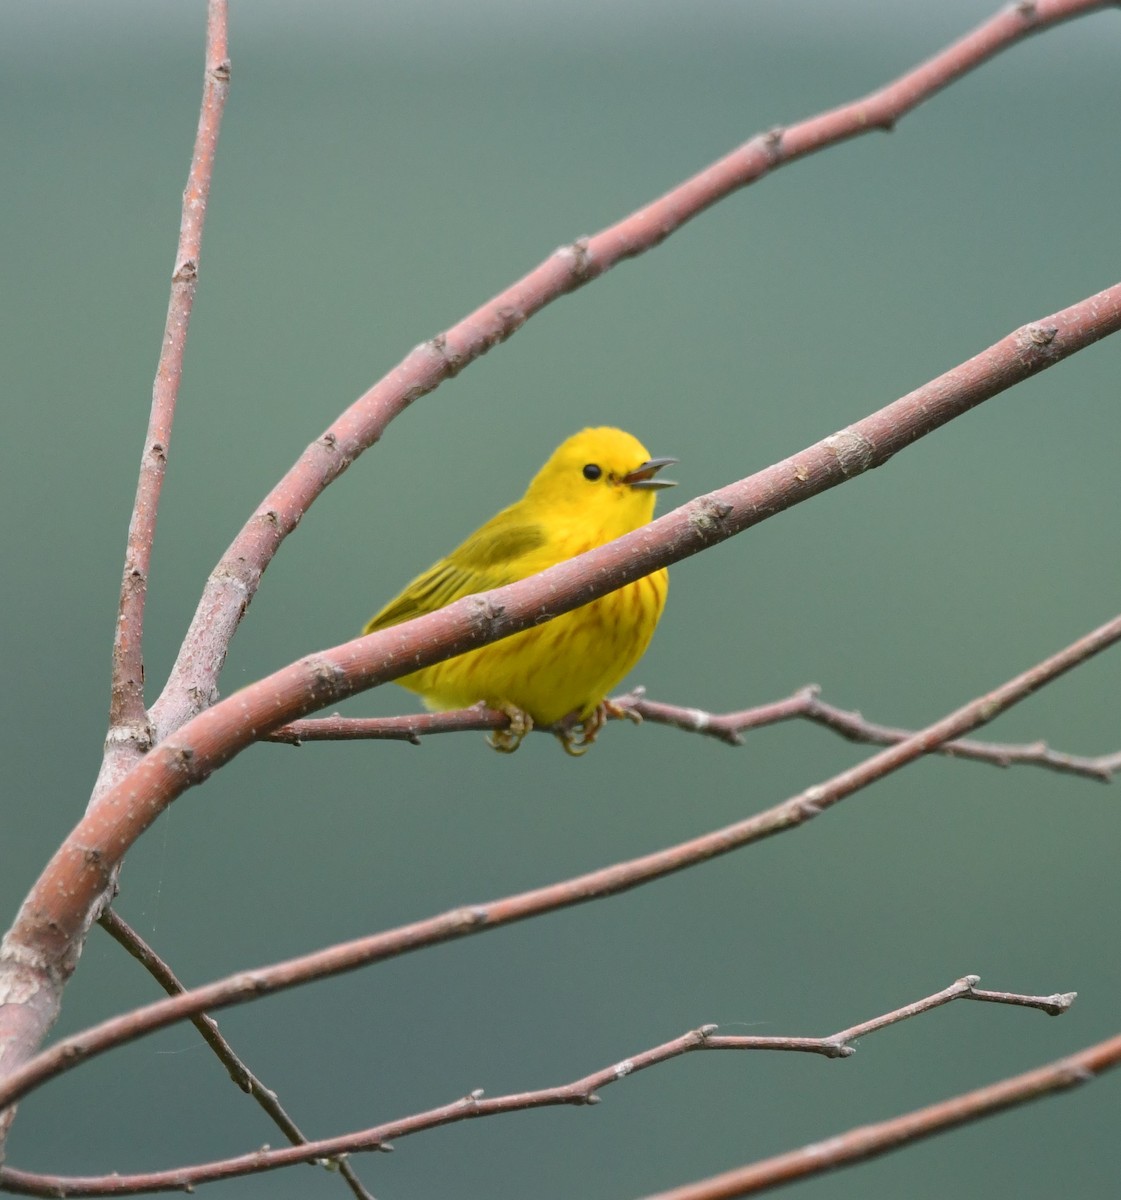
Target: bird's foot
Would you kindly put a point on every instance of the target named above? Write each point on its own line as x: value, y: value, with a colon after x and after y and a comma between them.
x: 623, y: 712
x: 507, y: 740
x: 578, y: 736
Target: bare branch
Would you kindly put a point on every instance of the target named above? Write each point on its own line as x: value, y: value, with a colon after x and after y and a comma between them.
x: 807, y: 704
x: 1054, y: 1005
x: 839, y: 1045
x: 410, y: 728
x: 127, y: 704
x: 724, y: 727
x: 607, y: 881
x: 580, y: 1092
x: 127, y: 937
x: 232, y: 585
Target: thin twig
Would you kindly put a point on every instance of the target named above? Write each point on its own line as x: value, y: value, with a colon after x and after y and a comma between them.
x: 839, y: 1045
x: 729, y: 728
x: 581, y: 1092
x: 620, y: 877
x: 410, y: 728
x: 127, y: 703
x: 1054, y: 1005
x: 806, y: 704
x: 127, y: 937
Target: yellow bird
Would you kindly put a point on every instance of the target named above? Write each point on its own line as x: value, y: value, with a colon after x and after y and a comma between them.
x: 596, y: 486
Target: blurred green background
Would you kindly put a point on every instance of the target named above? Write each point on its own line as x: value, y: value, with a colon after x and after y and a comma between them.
x: 382, y: 170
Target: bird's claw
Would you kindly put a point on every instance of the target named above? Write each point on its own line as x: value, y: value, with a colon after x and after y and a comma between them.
x: 623, y: 712
x: 507, y: 740
x: 578, y: 736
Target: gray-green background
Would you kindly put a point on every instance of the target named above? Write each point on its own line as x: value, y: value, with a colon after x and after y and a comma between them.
x: 382, y: 170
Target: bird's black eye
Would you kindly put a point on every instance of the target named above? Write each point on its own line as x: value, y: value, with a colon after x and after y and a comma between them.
x: 592, y: 472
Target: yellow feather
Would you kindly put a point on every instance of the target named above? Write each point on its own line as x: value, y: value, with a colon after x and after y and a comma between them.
x: 596, y: 486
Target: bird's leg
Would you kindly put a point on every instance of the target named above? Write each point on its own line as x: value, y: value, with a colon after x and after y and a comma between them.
x: 507, y: 740
x: 577, y: 743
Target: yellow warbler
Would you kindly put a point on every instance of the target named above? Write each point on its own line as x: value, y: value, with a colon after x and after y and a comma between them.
x: 598, y: 485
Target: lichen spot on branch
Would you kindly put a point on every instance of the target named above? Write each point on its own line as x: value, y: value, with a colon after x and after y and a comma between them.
x: 578, y: 254
x: 853, y: 451
x: 485, y: 614
x: 1035, y: 341
x: 707, y: 516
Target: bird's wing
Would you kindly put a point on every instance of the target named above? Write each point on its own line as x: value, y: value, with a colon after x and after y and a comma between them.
x: 492, y: 556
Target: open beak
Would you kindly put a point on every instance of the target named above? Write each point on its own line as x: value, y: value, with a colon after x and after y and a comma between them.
x: 643, y: 476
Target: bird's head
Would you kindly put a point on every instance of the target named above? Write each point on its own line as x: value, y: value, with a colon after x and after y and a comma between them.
x: 602, y: 475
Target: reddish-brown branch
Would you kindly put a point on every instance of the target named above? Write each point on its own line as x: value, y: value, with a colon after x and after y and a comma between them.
x: 409, y: 728
x: 582, y: 1091
x: 805, y: 703
x: 127, y: 937
x: 127, y: 702
x: 607, y: 881
x: 231, y: 587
